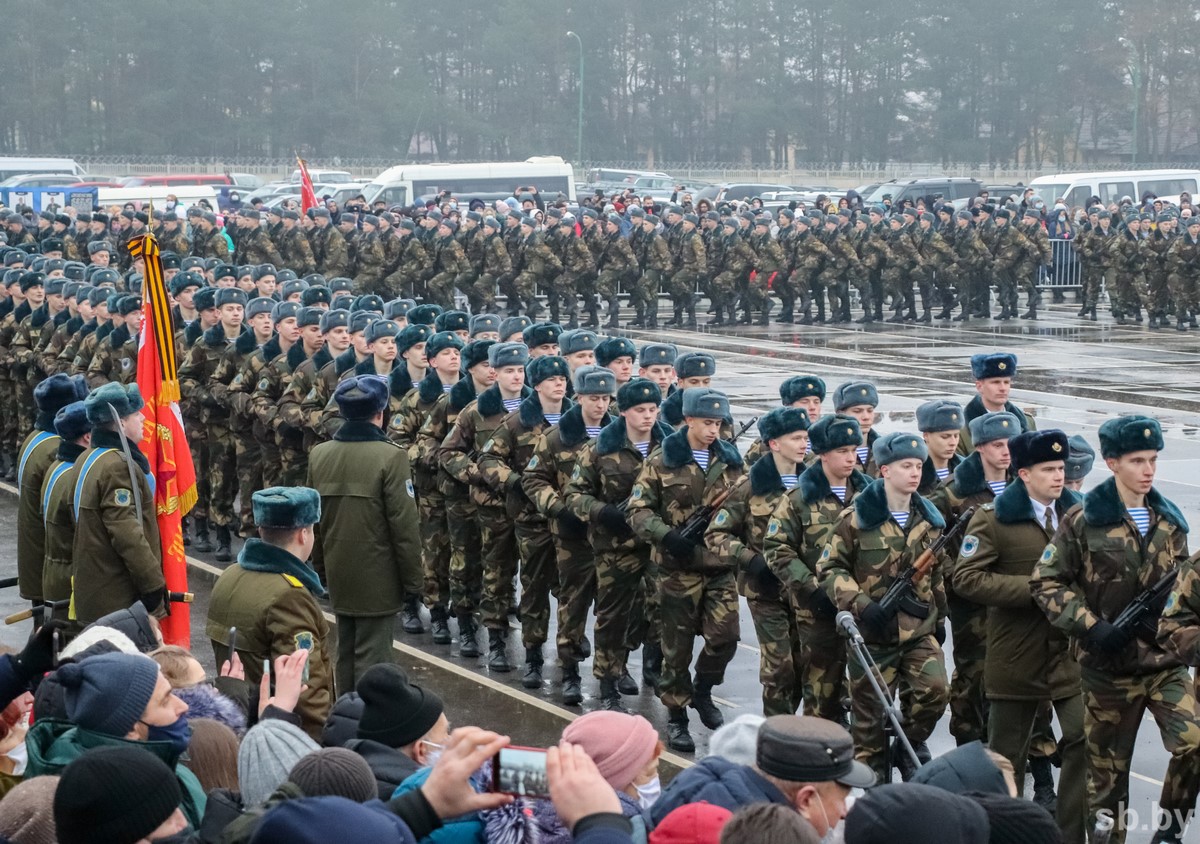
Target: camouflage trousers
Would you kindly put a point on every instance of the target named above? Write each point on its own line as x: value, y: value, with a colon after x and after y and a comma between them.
x: 780, y: 658
x: 465, y: 577
x: 823, y: 672
x: 1124, y: 291
x: 499, y: 543
x: 1043, y: 743
x: 643, y: 290
x: 272, y: 464
x: 481, y: 294
x: 524, y: 291
x: 8, y: 419
x: 435, y: 548
x: 722, y: 290
x: 440, y: 290
x: 222, y: 476
x: 197, y: 437
x: 294, y: 464
x: 576, y: 594
x: 1012, y: 726
x: 920, y: 665
x: 626, y: 610
x: 539, y: 574
x: 681, y: 286
x: 608, y: 285
x: 26, y: 409
x: 691, y: 603
x: 1158, y: 293
x: 968, y: 705
x: 250, y: 481
x: 1113, y: 708
x: 758, y: 290
x: 1185, y: 292
x: 1006, y: 290
x: 1091, y: 279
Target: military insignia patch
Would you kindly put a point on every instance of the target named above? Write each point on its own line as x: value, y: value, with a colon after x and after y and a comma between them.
x: 637, y: 492
x: 126, y: 364
x: 576, y: 473
x: 970, y: 546
x: 773, y: 527
x: 1047, y: 555
x: 397, y: 420
x: 408, y: 487
x: 303, y: 640
x: 722, y: 519
x: 533, y: 462
x: 825, y: 553
x: 263, y: 384
x: 123, y: 497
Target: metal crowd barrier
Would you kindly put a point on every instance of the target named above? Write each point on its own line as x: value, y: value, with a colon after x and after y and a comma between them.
x: 1064, y: 270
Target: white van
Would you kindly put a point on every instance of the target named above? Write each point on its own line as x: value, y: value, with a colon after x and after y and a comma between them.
x: 141, y: 197
x: 408, y: 183
x: 12, y: 166
x: 1110, y: 186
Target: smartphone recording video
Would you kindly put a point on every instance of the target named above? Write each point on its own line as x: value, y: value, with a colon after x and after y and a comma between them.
x: 520, y: 771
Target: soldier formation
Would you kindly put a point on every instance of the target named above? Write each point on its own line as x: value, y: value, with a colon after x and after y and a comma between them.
x: 423, y: 455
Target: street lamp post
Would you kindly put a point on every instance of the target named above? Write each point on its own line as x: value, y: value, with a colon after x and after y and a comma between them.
x: 1135, y: 76
x: 579, y: 135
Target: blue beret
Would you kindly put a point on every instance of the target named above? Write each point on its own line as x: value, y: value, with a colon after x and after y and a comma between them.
x: 452, y: 321
x: 801, y: 386
x: 482, y: 323
x: 993, y: 365
x: 71, y: 421
x: 703, y: 403
x: 899, y: 446
x: 994, y: 426
x: 508, y: 354
x: 638, y: 391
x: 1130, y: 433
x: 779, y: 421
x: 1033, y: 447
x: 594, y: 381
x: 475, y: 353
x: 854, y: 393
x: 385, y: 328
x: 830, y: 432
x: 577, y: 340
x: 611, y: 348
x: 541, y: 333
x: 409, y: 336
x: 441, y: 341
x: 939, y: 415
x: 58, y: 391
x: 547, y: 366
x: 361, y: 396
x: 286, y: 507
x: 514, y: 325
x: 1080, y: 458
x: 125, y: 400
x: 695, y: 365
x: 657, y: 354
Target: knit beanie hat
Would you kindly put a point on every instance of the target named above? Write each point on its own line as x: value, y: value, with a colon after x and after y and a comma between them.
x: 108, y: 693
x: 320, y: 820
x: 269, y: 751
x: 737, y: 741
x: 692, y: 823
x: 1014, y: 820
x: 395, y: 712
x: 335, y: 772
x: 620, y: 744
x: 114, y: 795
x: 27, y: 812
x: 912, y: 812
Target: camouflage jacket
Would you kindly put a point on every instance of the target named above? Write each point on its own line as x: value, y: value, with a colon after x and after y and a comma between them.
x: 296, y: 252
x: 799, y: 530
x: 905, y: 255
x: 437, y: 425
x: 292, y: 419
x: 737, y: 256
x: 329, y: 252
x: 196, y: 371
x: 617, y: 257
x: 230, y: 387
x: 1179, y: 626
x: 739, y: 528
x: 652, y: 252
x: 54, y: 343
x: 406, y: 422
x: 873, y: 250
x: 255, y: 247
x: 1027, y: 658
x: 552, y: 465
x: 1037, y: 241
x: 371, y: 259
x: 690, y: 253
x: 115, y: 359
x: 459, y: 453
x: 211, y: 245
x: 505, y: 456
x: 970, y: 252
x: 935, y: 252
x: 267, y: 394
x: 966, y: 487
x: 572, y: 251
x: 1098, y: 562
x: 1183, y: 258
x: 810, y: 255
x: 1125, y: 253
x: 768, y: 254
x: 70, y: 351
x: 494, y: 257
x: 671, y: 486
x: 1008, y: 247
x: 867, y: 550
x: 535, y: 256
x: 312, y: 407
x: 1156, y: 248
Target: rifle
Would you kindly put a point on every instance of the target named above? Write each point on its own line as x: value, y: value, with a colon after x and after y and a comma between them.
x: 1140, y: 617
x: 900, y: 594
x: 694, y: 526
x: 742, y: 430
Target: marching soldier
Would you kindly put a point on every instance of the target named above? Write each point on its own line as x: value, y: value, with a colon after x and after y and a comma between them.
x: 993, y: 373
x: 806, y: 392
x: 654, y: 258
x: 328, y: 246
x: 283, y: 447
x: 371, y: 258
x: 1183, y: 262
x: 254, y: 245
x: 939, y: 422
x: 294, y: 250
x: 1124, y: 539
x: 616, y: 265
x: 1157, y: 247
x: 1037, y: 255
x: 688, y: 263
x: 1128, y: 261
x: 697, y: 590
x: 858, y: 399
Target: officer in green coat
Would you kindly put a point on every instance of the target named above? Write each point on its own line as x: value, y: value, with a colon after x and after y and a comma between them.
x: 270, y: 597
x: 368, y: 537
x: 58, y: 487
x: 1028, y: 662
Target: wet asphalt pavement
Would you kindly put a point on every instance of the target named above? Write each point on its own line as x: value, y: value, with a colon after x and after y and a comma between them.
x: 1072, y: 374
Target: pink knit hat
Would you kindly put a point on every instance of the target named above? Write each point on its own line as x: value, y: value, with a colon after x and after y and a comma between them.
x: 620, y: 745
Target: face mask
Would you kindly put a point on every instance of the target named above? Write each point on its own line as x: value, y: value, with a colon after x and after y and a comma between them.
x: 649, y: 793
x: 179, y: 734
x: 20, y: 757
x: 828, y: 836
x: 433, y: 752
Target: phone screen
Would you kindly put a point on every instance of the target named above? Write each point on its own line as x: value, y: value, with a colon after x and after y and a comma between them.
x: 520, y: 771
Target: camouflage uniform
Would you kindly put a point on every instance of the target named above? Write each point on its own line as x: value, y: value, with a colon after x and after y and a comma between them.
x: 971, y: 261
x: 329, y: 252
x: 494, y: 264
x: 210, y: 369
x: 255, y: 247
x: 534, y: 264
x: 697, y: 595
x: 1037, y: 255
x: 295, y: 251
x: 251, y: 453
x: 908, y: 264
x: 810, y: 254
x: 654, y: 258
x: 835, y: 274
x: 1156, y: 249
x: 616, y: 264
x: 295, y: 438
x: 265, y: 400
x: 577, y: 277
x: 938, y: 260
x: 8, y: 385
x: 1183, y: 264
x: 1094, y: 566
x: 688, y: 264
x: 866, y: 551
x: 1008, y: 247
x: 796, y: 538
x: 211, y: 245
x: 411, y: 268
x: 736, y: 258
x: 1127, y: 276
x: 115, y: 359
x: 371, y: 265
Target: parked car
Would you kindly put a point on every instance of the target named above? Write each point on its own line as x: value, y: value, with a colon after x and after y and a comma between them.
x: 743, y: 191
x: 41, y: 180
x: 956, y: 191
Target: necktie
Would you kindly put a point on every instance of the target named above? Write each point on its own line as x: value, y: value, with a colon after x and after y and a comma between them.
x: 1049, y: 524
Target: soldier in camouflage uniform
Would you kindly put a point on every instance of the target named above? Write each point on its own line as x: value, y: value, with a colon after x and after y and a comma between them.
x: 1100, y: 258
x: 770, y: 269
x: 1028, y: 663
x: 731, y: 258
x: 885, y: 530
x: 616, y: 265
x: 971, y: 260
x: 1125, y: 538
x: 907, y: 263
x: 654, y: 258
x: 809, y: 255
x: 1037, y: 255
x: 1156, y: 248
x: 116, y: 355
x: 738, y: 532
x: 841, y: 265
x: 936, y: 273
x: 283, y: 448
x: 19, y: 308
x: 279, y: 357
x: 993, y: 373
x: 294, y: 250
x: 371, y: 258
x: 697, y: 590
x: 796, y: 537
x: 535, y: 264
x: 544, y: 480
x: 1008, y: 249
x: 328, y: 245
x: 1127, y: 274
x: 254, y: 245
x: 20, y: 352
x: 1183, y: 263
x: 412, y: 264
x: 977, y: 480
x: 859, y: 399
x: 688, y: 264
x: 578, y: 275
x: 493, y: 263
x: 626, y: 597
x: 459, y: 456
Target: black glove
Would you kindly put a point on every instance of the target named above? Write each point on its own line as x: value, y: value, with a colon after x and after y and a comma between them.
x: 569, y: 527
x: 1105, y: 638
x: 153, y: 600
x: 820, y: 603
x: 761, y: 576
x: 679, y: 546
x: 614, y: 521
x: 939, y: 632
x: 38, y: 655
x: 875, y: 618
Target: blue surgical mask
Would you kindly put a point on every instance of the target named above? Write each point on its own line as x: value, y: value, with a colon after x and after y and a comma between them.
x: 178, y: 735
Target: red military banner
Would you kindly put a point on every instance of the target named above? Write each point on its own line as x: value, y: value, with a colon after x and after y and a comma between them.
x: 308, y: 196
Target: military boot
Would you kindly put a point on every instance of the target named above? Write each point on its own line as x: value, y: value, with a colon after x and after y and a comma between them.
x: 1181, y: 325
x: 532, y: 678
x: 639, y: 319
x: 820, y: 320
x: 626, y: 685
x: 787, y: 314
x: 652, y: 315
x: 652, y: 658
x: 1031, y: 313
x: 572, y: 685
x: 614, y: 314
x: 702, y: 702
x: 904, y: 763
x: 610, y: 698
x: 1153, y: 323
x: 1173, y: 831
x: 410, y: 615
x: 439, y: 625
x: 185, y: 527
x: 1043, y: 783
x: 677, y: 319
x: 719, y: 309
x: 678, y: 736
x: 468, y: 633
x: 224, y: 541
x: 765, y: 317
x: 593, y: 320
x: 202, y: 544
x: 498, y: 651
x: 691, y: 316
x: 554, y: 316
x: 10, y: 467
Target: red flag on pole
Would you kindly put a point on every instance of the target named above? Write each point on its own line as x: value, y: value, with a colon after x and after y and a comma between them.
x: 164, y: 443
x: 308, y: 196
